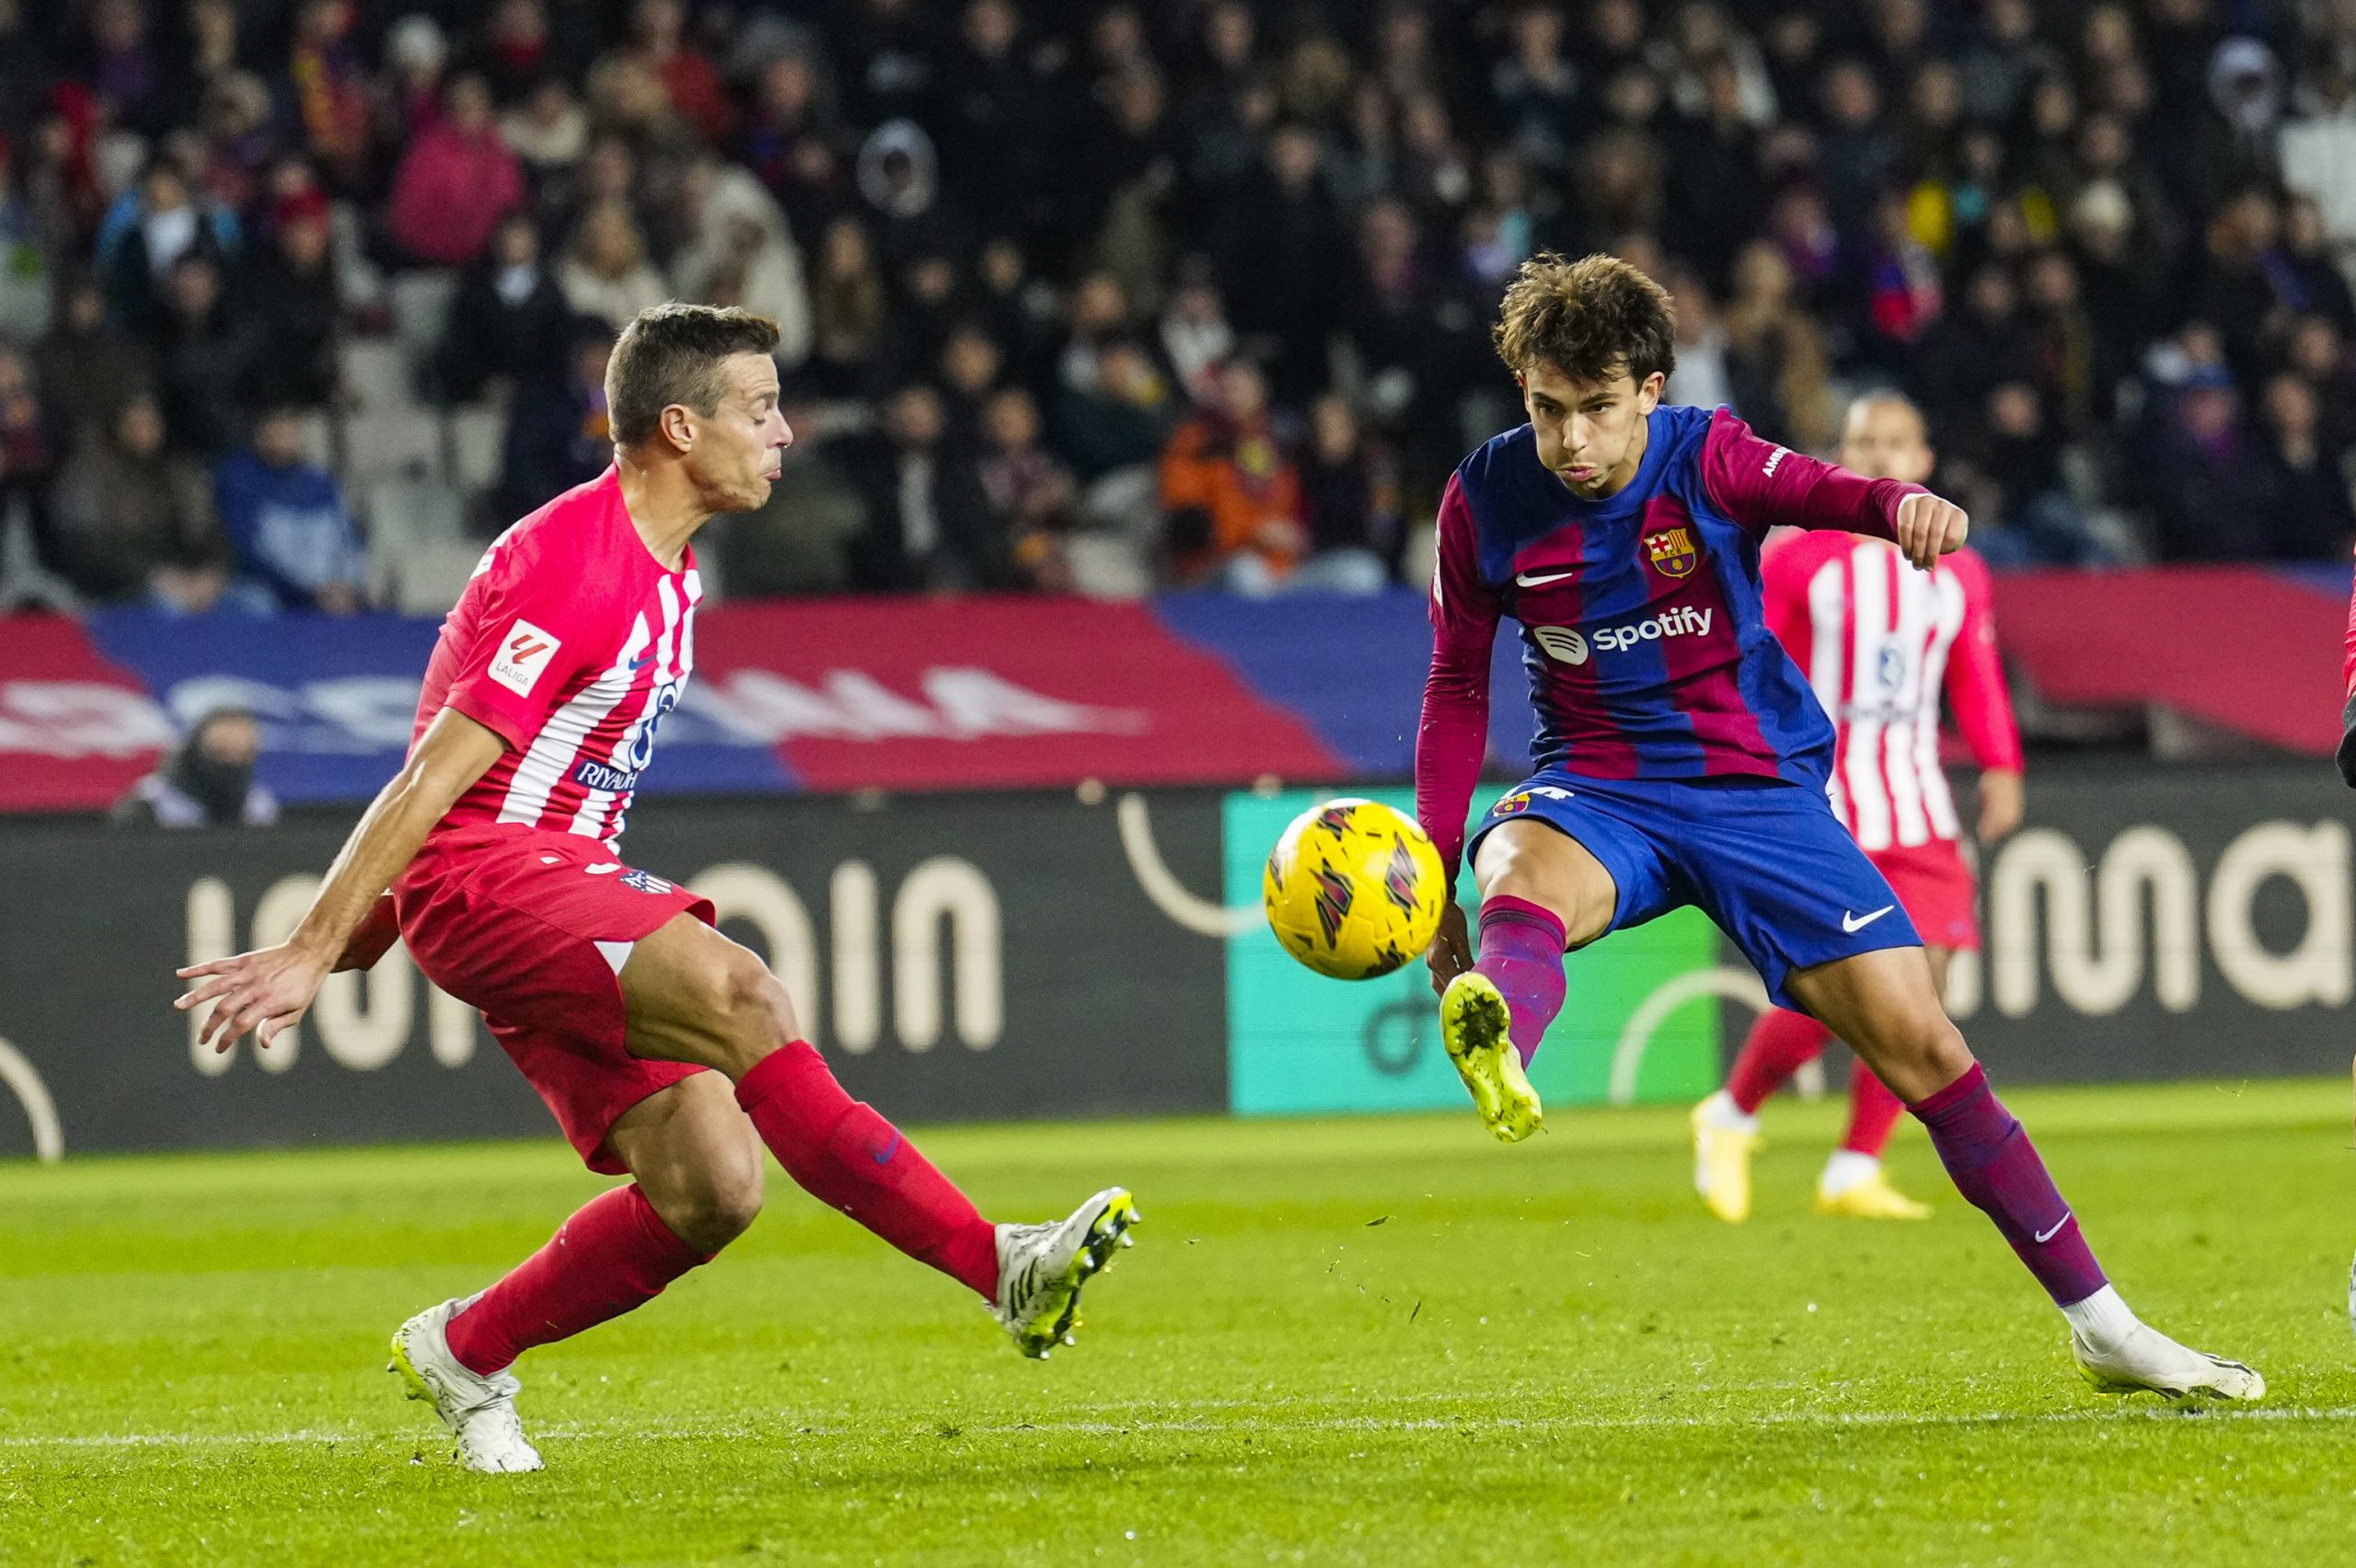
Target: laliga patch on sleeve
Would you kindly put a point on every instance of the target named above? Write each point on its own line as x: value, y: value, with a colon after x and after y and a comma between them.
x: 523, y: 654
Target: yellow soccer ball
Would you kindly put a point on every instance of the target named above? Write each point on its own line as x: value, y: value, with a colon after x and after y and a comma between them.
x: 1354, y: 889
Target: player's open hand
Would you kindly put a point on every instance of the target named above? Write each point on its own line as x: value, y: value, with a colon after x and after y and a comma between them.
x: 261, y: 993
x: 1451, y: 950
x: 1929, y: 527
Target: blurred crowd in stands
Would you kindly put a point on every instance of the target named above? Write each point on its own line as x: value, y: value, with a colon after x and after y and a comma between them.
x: 300, y: 300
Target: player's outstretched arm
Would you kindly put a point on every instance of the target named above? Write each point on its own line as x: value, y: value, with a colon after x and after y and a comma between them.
x: 1764, y: 486
x: 268, y: 990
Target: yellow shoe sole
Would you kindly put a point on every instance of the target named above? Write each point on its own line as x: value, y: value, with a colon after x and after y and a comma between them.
x: 1871, y: 1203
x: 1473, y: 1021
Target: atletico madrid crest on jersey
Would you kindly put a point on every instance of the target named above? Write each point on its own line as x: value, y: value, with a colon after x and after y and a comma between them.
x: 1672, y: 553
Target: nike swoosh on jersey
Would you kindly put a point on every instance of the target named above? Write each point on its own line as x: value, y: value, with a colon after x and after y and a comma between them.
x: 2048, y: 1233
x: 1852, y: 923
x: 642, y: 662
x: 1528, y: 580
x: 604, y: 869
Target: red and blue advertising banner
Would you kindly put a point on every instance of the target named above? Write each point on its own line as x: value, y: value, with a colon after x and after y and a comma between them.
x: 929, y: 694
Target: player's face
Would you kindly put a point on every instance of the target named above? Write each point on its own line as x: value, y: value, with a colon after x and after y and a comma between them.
x: 1883, y: 440
x: 740, y: 449
x: 1589, y: 433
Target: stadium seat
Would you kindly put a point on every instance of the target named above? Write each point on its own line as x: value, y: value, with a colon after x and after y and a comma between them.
x: 421, y: 311
x: 478, y: 432
x: 377, y: 372
x: 399, y: 439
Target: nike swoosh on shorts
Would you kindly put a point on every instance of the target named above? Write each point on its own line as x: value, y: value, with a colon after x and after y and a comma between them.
x: 1854, y: 924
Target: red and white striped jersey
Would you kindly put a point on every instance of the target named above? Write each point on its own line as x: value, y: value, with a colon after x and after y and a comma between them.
x: 1881, y: 642
x: 572, y: 643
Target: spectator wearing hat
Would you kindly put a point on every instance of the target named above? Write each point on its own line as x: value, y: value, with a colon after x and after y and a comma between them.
x: 207, y: 782
x: 289, y: 296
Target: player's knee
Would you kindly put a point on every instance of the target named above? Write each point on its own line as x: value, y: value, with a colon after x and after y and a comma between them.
x: 719, y: 1205
x: 751, y: 1004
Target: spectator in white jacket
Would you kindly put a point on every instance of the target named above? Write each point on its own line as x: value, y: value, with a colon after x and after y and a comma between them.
x: 739, y: 251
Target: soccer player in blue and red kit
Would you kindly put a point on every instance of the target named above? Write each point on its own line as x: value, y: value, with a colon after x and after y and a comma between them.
x: 666, y: 1052
x: 1683, y: 759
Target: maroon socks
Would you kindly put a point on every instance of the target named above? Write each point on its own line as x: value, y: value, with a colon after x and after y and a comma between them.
x: 1995, y: 1166
x: 1521, y: 952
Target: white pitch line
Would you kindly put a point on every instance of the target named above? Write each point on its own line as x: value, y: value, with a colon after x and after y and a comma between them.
x: 2149, y: 1413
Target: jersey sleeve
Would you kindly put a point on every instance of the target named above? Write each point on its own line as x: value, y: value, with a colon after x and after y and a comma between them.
x: 1760, y: 486
x: 1975, y: 678
x: 530, y: 638
x: 1453, y: 737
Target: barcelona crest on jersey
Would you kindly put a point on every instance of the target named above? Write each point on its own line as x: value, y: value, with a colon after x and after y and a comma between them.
x: 1672, y: 553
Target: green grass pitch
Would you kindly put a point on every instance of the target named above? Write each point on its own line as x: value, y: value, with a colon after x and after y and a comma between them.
x: 1382, y: 1340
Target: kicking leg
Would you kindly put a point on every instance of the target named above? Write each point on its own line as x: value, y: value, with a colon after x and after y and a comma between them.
x: 693, y: 996
x: 1884, y: 1004
x: 1541, y: 893
x: 698, y: 1185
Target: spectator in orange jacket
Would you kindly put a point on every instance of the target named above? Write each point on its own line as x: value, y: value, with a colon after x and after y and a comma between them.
x: 1229, y: 495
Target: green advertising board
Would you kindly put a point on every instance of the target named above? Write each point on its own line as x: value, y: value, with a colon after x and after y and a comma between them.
x: 1641, y: 1022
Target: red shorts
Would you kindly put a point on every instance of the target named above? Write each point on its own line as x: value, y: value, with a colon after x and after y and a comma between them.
x: 508, y: 920
x: 1936, y: 886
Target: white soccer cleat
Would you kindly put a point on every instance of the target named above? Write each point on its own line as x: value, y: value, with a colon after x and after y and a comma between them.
x: 479, y: 1410
x: 1041, y: 1267
x: 2148, y: 1361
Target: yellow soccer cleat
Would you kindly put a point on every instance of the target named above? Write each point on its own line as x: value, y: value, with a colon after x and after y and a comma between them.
x: 1473, y: 1023
x: 1871, y: 1197
x: 1722, y: 1164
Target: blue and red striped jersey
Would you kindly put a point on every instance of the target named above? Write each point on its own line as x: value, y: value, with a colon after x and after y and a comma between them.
x: 1648, y: 652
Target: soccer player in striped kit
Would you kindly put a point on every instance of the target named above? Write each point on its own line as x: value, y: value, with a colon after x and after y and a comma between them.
x: 1682, y: 759
x: 667, y: 1052
x: 1879, y: 644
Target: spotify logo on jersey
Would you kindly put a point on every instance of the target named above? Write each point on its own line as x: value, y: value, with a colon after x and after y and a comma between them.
x: 1561, y: 643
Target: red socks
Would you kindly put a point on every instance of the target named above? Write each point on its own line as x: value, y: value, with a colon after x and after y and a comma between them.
x: 846, y: 1155
x: 1873, y: 1110
x: 617, y: 1254
x: 612, y: 1256
x: 1778, y: 1046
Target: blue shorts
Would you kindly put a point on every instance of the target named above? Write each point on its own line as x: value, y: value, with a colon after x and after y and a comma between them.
x: 1767, y: 860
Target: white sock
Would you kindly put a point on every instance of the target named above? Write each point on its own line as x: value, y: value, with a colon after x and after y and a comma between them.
x: 2102, y: 1319
x: 1719, y: 1111
x: 1845, y: 1170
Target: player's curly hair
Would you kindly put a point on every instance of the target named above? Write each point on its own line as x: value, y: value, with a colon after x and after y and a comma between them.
x: 671, y: 354
x: 1589, y: 319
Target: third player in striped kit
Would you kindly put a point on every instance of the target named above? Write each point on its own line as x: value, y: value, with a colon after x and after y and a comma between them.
x: 1880, y: 643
